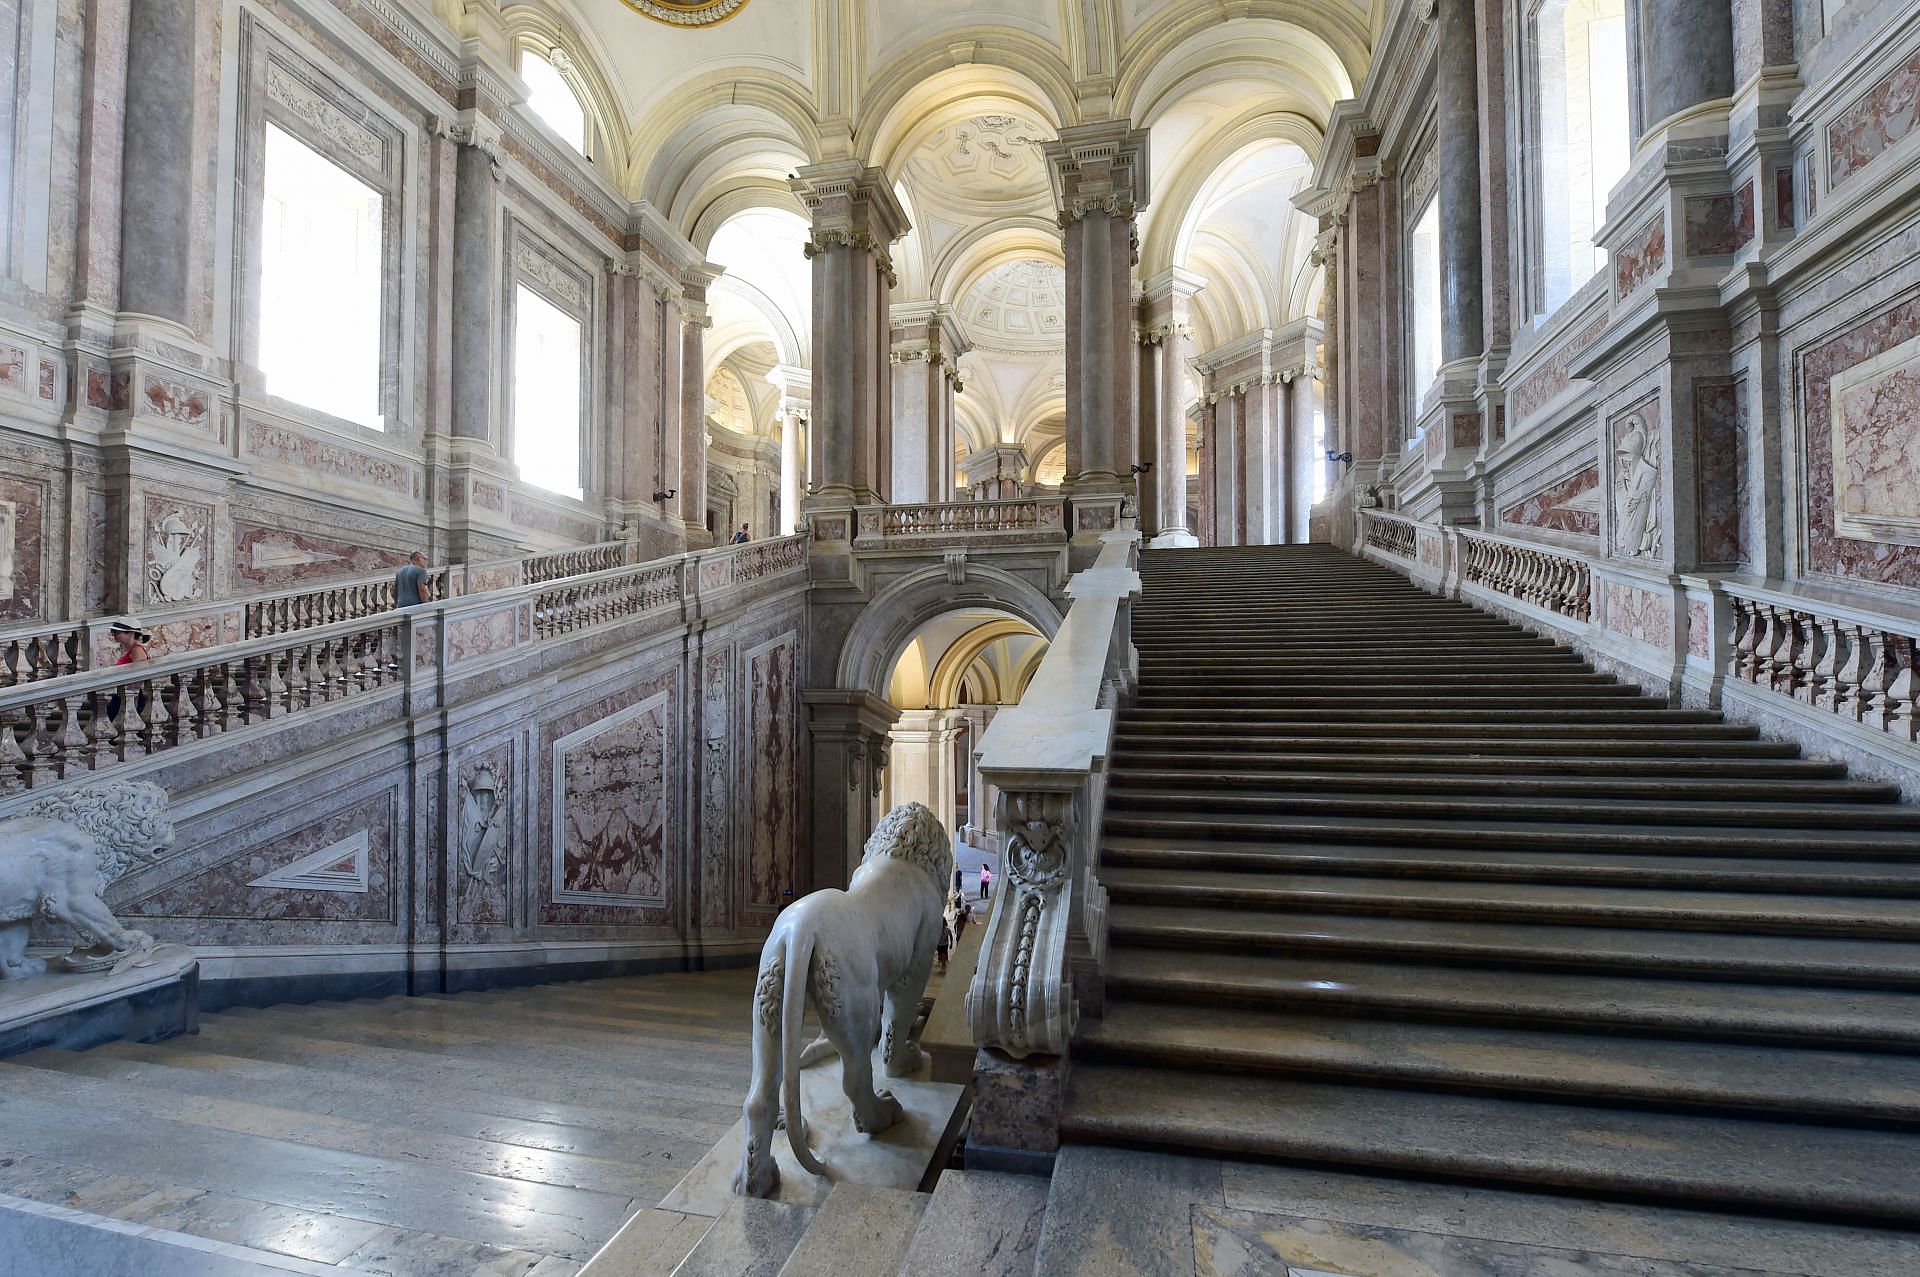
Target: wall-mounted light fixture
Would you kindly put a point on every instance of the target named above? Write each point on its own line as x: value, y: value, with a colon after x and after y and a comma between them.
x: 668, y: 495
x: 1142, y: 467
x: 1339, y: 456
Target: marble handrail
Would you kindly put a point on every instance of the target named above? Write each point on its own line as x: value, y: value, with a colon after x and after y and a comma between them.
x: 1845, y: 660
x: 1389, y: 532
x: 959, y: 518
x: 1561, y: 583
x: 1048, y: 755
x: 61, y: 648
x: 91, y: 720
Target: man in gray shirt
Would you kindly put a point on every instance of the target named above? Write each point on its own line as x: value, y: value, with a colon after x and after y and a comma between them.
x: 411, y: 584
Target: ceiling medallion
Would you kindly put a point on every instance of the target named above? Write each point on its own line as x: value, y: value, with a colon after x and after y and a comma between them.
x: 688, y: 13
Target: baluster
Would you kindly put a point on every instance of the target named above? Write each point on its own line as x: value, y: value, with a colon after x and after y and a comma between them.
x: 127, y: 724
x: 159, y: 722
x: 10, y: 663
x: 206, y: 700
x: 70, y: 741
x: 1878, y: 681
x: 349, y: 665
x: 1769, y: 623
x: 180, y: 710
x: 1900, y: 694
x: 1806, y: 637
x: 41, y: 771
x: 1742, y: 632
x: 233, y: 703
x: 276, y: 687
x: 100, y: 729
x: 1820, y: 688
x: 298, y: 688
x: 13, y: 760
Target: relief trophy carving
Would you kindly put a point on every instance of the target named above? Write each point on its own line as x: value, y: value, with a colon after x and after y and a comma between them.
x: 1636, y: 490
x: 174, y: 570
x: 56, y: 862
x: 483, y: 811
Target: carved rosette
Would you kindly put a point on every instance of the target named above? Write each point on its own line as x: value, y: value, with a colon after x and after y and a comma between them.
x: 1021, y: 1001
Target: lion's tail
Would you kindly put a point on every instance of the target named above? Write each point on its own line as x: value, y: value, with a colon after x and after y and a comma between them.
x: 793, y: 1006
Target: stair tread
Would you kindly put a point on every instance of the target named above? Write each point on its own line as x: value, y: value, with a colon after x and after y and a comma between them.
x: 1611, y: 1002
x: 1130, y: 776
x: 1864, y: 1085
x: 858, y: 1231
x: 981, y: 1224
x: 1133, y: 926
x: 1731, y: 1160
x: 1472, y: 763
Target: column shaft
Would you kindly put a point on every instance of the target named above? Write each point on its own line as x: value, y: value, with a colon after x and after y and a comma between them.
x: 156, y: 193
x: 1462, y: 332
x: 476, y: 295
x: 1686, y: 56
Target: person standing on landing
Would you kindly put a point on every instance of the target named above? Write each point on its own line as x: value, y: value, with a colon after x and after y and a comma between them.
x: 412, y: 586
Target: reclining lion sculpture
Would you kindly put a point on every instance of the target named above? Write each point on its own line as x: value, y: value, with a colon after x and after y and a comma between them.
x: 57, y: 859
x: 855, y: 954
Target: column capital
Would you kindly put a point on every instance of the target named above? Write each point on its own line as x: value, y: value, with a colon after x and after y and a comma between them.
x: 1175, y: 283
x: 1099, y: 167
x: 852, y: 206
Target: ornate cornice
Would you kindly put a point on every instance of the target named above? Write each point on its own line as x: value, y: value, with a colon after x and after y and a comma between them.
x: 687, y: 13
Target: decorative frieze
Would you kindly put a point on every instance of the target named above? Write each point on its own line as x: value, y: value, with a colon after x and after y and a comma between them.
x: 1570, y: 505
x: 1640, y: 258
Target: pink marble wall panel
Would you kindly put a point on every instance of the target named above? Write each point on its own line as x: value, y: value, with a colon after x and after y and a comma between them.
x: 1876, y: 439
x: 107, y: 390
x: 773, y: 745
x: 1813, y: 189
x: 1720, y: 471
x: 1466, y: 429
x: 222, y: 891
x: 545, y: 520
x: 1640, y: 258
x: 472, y: 637
x: 13, y: 369
x: 1829, y: 552
x: 103, y: 517
x: 1720, y: 224
x: 277, y: 558
x: 290, y: 448
x: 489, y: 496
x: 1699, y: 635
x: 21, y: 599
x: 609, y: 809
x: 1783, y: 195
x: 1882, y: 117
x: 1640, y: 615
x: 717, y: 789
x: 177, y: 402
x: 1552, y: 377
x: 48, y: 373
x: 1570, y: 505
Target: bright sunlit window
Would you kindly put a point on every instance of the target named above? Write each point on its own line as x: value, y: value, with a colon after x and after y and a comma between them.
x: 1580, y: 53
x: 1316, y: 404
x: 1424, y: 255
x: 553, y: 100
x: 319, y: 282
x: 546, y: 394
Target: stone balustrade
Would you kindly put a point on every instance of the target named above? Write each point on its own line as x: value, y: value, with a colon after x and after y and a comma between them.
x: 1560, y: 583
x: 1845, y: 661
x: 62, y: 648
x: 1389, y: 533
x: 1039, y: 964
x: 52, y: 730
x: 960, y: 520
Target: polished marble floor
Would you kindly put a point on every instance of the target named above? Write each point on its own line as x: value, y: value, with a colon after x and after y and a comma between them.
x: 500, y: 1134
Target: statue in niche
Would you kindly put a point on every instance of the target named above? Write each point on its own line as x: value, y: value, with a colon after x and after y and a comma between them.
x: 862, y: 956
x: 1636, y: 490
x: 175, y: 569
x: 57, y: 860
x: 483, y: 813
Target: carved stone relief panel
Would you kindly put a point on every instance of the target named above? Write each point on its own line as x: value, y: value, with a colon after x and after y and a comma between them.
x: 21, y: 545
x: 1635, y: 437
x: 770, y: 673
x: 1875, y: 421
x: 486, y: 809
x: 1570, y: 505
x: 717, y: 791
x: 612, y: 787
x: 175, y: 542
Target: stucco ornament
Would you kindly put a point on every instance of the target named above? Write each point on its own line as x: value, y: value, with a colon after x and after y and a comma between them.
x: 688, y: 13
x: 56, y: 861
x: 862, y: 955
x: 175, y: 568
x: 1636, y: 491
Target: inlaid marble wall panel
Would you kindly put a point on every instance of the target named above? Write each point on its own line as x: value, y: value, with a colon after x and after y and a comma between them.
x: 611, y: 817
x: 274, y: 557
x: 772, y: 694
x: 1721, y: 471
x: 1570, y: 505
x: 1860, y: 422
x: 1881, y: 118
x: 719, y: 753
x: 23, y: 526
x: 1639, y: 614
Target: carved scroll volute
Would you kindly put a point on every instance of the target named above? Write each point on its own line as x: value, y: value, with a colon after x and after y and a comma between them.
x: 1021, y: 1001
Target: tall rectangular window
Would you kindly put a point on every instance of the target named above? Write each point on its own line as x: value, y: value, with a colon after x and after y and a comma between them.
x: 1424, y: 258
x: 320, y: 267
x: 546, y: 393
x: 1580, y: 70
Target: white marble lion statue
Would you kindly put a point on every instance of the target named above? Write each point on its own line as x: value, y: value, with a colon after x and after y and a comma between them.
x: 862, y: 956
x: 56, y: 860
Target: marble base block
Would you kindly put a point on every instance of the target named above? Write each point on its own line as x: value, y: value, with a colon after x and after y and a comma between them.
x: 895, y: 1158
x: 1017, y: 1103
x: 1174, y: 539
x: 75, y: 1010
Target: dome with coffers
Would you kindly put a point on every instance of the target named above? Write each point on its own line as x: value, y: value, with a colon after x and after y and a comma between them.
x: 1018, y: 305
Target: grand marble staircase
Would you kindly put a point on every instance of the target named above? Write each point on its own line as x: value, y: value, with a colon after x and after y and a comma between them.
x: 1398, y: 886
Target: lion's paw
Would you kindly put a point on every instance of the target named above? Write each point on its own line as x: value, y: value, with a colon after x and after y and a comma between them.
x: 906, y: 1061
x: 886, y: 1111
x: 756, y: 1177
x: 23, y: 968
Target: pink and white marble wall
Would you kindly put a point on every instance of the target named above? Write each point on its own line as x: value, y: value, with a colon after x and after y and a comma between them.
x: 1699, y: 629
x: 610, y: 809
x: 1720, y: 224
x: 1642, y: 257
x: 718, y: 792
x: 1720, y: 471
x: 26, y: 523
x: 1638, y: 614
x: 1570, y: 505
x: 772, y: 689
x: 1552, y: 378
x: 1882, y: 117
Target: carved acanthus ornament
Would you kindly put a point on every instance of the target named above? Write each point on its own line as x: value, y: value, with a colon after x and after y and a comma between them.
x: 822, y: 240
x: 1019, y: 1001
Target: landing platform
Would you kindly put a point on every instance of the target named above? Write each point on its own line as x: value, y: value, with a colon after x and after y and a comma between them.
x: 156, y: 1000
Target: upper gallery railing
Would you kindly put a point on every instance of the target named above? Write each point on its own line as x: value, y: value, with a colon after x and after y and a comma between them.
x: 55, y: 730
x: 61, y: 648
x: 1028, y: 516
x: 1048, y: 757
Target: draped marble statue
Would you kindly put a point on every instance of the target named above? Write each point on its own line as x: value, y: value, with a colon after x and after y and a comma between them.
x: 56, y: 860
x: 862, y: 956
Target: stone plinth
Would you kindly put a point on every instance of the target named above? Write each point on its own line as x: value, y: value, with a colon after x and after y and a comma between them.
x: 148, y: 1003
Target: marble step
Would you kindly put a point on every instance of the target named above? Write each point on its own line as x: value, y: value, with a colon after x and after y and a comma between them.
x: 1800, y: 1082
x: 1690, y: 1009
x: 858, y: 1232
x: 397, y: 1191
x: 1173, y: 682
x: 1649, y: 784
x: 1548, y: 863
x: 1684, y: 744
x: 1829, y: 958
x: 751, y: 1238
x: 1479, y: 804
x: 979, y: 1224
x: 1860, y: 844
x: 1337, y: 701
x: 1482, y: 761
x: 1744, y: 1163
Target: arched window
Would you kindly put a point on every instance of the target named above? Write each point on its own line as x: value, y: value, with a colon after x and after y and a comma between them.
x: 1423, y: 270
x: 551, y: 98
x: 1580, y: 73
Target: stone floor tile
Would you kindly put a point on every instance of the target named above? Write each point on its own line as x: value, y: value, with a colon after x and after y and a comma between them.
x: 395, y: 1252
x: 1118, y: 1213
x: 326, y: 1239
x: 651, y: 1244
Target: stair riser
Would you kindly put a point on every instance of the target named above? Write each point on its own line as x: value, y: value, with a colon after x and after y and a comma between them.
x: 1126, y: 778
x: 1858, y: 816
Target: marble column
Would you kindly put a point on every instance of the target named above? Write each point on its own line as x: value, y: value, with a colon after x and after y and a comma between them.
x: 848, y: 734
x: 927, y: 343
x: 1225, y: 440
x: 795, y: 385
x: 1100, y: 182
x: 856, y: 219
x: 1263, y: 463
x: 157, y: 175
x: 1169, y: 298
x: 1305, y: 457
x: 1146, y: 411
x: 674, y: 375
x: 692, y: 483
x: 1208, y: 477
x: 1686, y: 57
x: 1456, y: 90
x: 476, y: 287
